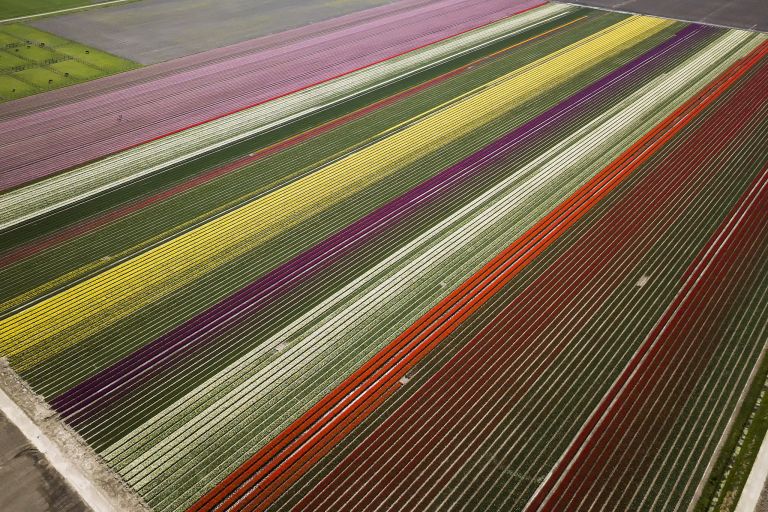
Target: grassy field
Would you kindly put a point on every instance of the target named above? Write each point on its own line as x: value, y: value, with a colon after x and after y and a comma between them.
x: 16, y: 8
x: 33, y: 61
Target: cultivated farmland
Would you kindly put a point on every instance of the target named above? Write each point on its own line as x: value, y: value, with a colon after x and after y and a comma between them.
x: 33, y: 61
x: 405, y: 259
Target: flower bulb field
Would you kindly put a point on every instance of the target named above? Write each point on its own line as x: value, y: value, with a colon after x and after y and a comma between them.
x: 446, y: 255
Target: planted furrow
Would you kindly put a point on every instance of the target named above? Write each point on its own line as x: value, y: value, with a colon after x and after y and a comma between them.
x: 448, y: 422
x: 85, y: 130
x: 267, y: 470
x: 649, y: 345
x: 425, y: 256
x: 322, y: 255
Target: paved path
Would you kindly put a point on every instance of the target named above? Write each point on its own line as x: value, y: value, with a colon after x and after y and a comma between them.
x: 29, y: 483
x: 754, y: 496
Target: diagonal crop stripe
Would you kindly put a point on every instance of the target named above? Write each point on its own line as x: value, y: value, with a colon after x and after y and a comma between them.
x: 431, y: 255
x: 117, y: 292
x: 257, y: 482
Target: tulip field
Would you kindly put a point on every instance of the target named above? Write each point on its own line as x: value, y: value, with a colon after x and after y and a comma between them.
x: 498, y: 255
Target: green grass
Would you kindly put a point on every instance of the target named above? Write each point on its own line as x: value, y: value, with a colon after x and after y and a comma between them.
x: 76, y: 70
x: 34, y: 54
x: 7, y: 40
x: 33, y: 61
x: 12, y: 88
x: 8, y: 61
x: 32, y: 35
x: 40, y: 77
x: 97, y: 58
x: 723, y: 489
x: 15, y: 8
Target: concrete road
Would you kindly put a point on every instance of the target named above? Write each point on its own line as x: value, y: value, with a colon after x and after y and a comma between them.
x: 27, y: 482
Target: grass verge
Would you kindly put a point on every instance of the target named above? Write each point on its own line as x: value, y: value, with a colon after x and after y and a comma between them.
x: 722, y: 491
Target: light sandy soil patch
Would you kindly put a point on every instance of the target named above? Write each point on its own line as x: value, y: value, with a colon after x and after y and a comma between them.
x: 29, y: 482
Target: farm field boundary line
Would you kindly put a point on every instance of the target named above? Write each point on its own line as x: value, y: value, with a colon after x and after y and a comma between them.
x: 758, y: 476
x: 730, y: 468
